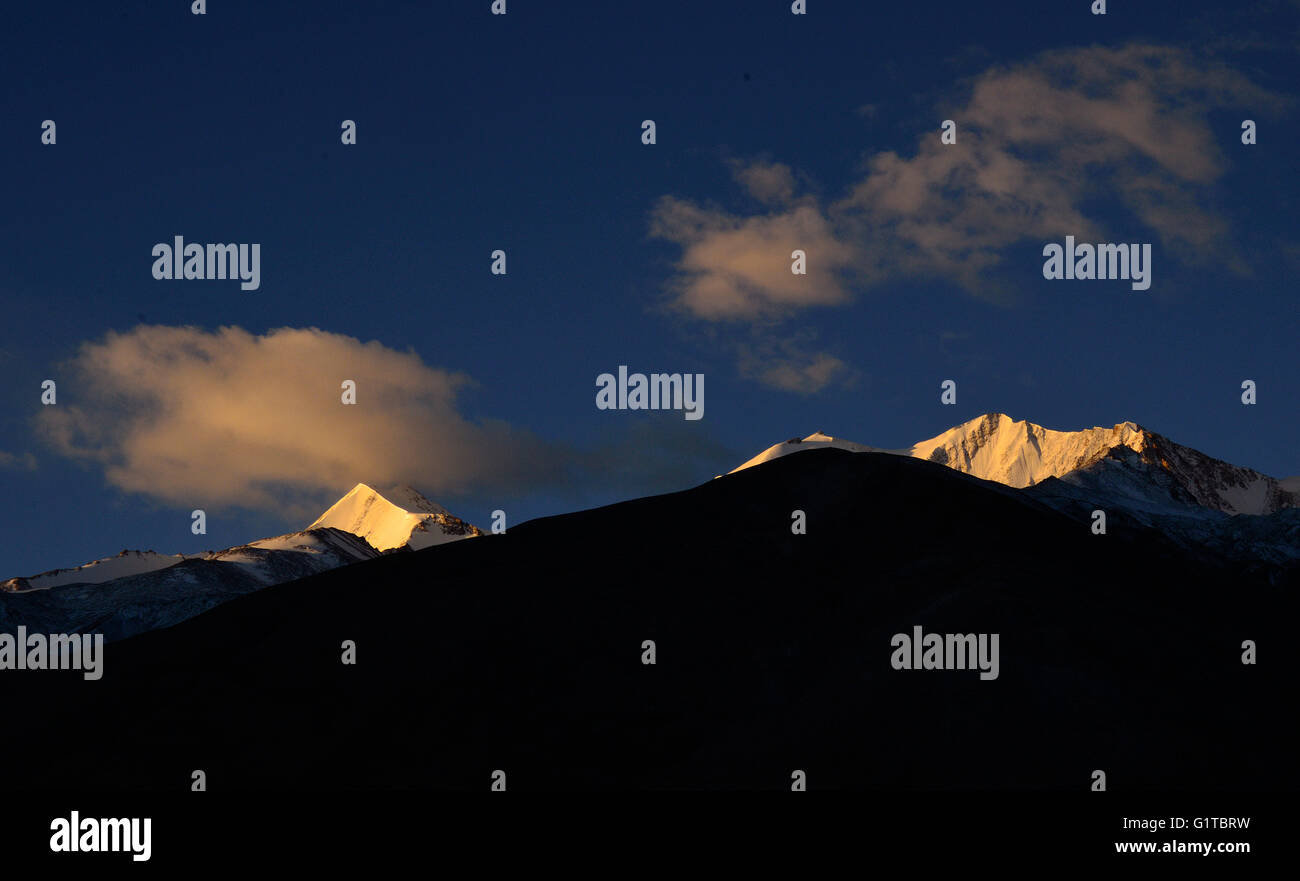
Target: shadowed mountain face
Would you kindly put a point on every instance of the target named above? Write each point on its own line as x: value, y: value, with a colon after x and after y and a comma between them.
x: 522, y: 652
x: 138, y: 591
x: 132, y: 604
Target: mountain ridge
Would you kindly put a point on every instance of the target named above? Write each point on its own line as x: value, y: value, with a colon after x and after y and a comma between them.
x: 1020, y: 454
x: 425, y: 523
x: 137, y: 591
x: 1118, y: 652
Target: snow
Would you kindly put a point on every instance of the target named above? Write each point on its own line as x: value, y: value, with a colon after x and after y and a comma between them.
x: 408, y: 499
x: 97, y: 571
x: 129, y: 563
x: 385, y: 524
x: 136, y: 603
x: 1125, y: 457
x: 265, y: 560
x: 1019, y: 454
x: 816, y: 440
x: 391, y: 519
x: 1249, y: 499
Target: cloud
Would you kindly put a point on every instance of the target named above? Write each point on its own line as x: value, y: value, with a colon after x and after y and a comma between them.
x: 192, y: 417
x: 208, y: 419
x: 1045, y: 148
x: 789, y: 364
x: 805, y: 377
x: 652, y: 452
x: 17, y: 461
x: 1038, y: 146
x: 738, y: 270
x: 768, y: 182
x: 740, y: 267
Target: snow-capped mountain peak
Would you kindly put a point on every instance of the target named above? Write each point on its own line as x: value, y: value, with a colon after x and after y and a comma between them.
x: 1126, y: 457
x: 1125, y: 460
x: 137, y: 591
x: 393, y: 518
x: 816, y: 440
x: 1017, y: 453
x: 366, y: 521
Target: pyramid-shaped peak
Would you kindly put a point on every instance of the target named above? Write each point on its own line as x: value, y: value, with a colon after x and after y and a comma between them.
x: 360, y: 490
x: 391, y: 518
x: 402, y: 496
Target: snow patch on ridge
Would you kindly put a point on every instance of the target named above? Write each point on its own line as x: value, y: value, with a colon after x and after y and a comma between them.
x: 815, y: 441
x: 95, y: 572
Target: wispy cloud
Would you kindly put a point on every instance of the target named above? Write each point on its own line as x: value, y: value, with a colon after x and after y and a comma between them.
x: 790, y: 363
x: 1040, y: 145
x: 739, y: 267
x: 769, y: 182
x: 17, y: 461
x: 1045, y: 148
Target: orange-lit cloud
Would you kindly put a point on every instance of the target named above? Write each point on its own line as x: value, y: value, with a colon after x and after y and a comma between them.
x: 1037, y: 143
x: 192, y: 417
x: 1039, y: 146
x: 740, y: 267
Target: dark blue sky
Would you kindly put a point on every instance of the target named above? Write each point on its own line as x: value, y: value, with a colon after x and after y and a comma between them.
x: 522, y: 132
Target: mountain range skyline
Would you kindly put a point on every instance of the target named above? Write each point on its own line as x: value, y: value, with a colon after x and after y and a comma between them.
x: 375, y: 261
x: 409, y: 399
x: 762, y: 649
x: 1138, y: 479
x: 386, y: 524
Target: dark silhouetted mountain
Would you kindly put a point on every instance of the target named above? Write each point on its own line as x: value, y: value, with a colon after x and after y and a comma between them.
x: 1213, y: 510
x: 522, y: 652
